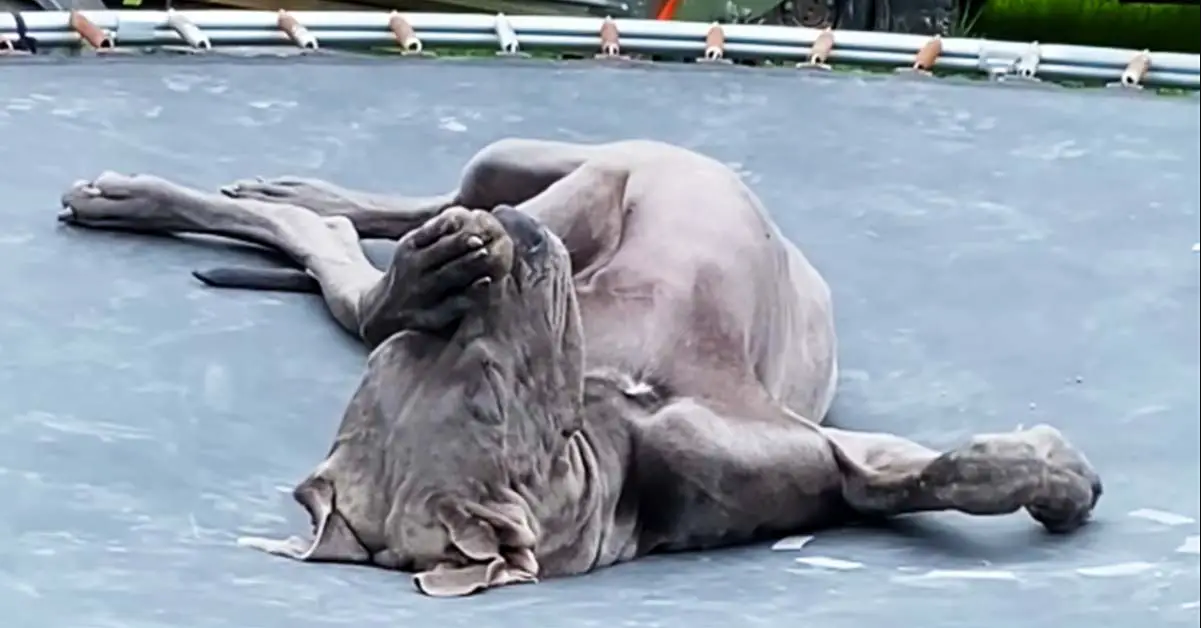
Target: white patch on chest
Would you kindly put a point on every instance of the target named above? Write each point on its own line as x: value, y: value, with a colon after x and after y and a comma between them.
x: 635, y: 389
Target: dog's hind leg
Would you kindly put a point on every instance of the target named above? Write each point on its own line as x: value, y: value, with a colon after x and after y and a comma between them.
x: 1035, y: 469
x: 374, y: 215
x: 506, y: 172
x: 577, y: 191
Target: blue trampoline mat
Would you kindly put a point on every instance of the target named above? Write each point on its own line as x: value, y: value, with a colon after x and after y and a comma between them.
x: 998, y: 257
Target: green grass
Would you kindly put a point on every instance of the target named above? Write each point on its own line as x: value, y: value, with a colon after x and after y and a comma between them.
x: 1161, y: 28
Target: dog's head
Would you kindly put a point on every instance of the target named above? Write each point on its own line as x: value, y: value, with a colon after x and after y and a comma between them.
x: 536, y: 335
x: 541, y: 283
x: 485, y: 415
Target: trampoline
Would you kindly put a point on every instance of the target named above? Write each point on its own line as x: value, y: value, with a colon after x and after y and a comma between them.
x: 998, y: 257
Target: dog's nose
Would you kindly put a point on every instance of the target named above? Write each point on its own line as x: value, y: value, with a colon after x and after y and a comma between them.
x: 526, y: 232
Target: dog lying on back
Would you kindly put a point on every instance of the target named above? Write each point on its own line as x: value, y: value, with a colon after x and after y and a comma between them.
x: 614, y: 352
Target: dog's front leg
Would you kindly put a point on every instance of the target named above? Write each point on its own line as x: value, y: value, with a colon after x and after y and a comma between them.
x: 439, y: 272
x: 326, y: 248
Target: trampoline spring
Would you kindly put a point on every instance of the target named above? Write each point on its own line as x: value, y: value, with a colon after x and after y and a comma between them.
x: 506, y: 37
x: 610, y: 39
x: 189, y: 32
x: 1136, y: 71
x: 296, y: 31
x: 1026, y: 66
x: 819, y: 52
x: 715, y: 45
x: 928, y: 55
x: 404, y: 34
x: 89, y: 32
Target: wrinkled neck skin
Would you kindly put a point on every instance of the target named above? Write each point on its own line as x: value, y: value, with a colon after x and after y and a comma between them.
x: 568, y: 469
x: 498, y: 415
x: 575, y: 483
x: 569, y: 444
x: 600, y: 528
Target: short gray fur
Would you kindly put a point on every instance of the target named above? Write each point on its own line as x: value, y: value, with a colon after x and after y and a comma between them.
x: 143, y: 429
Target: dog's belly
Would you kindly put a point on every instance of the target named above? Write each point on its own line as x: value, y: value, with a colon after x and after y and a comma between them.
x: 622, y: 330
x: 708, y: 307
x: 649, y: 324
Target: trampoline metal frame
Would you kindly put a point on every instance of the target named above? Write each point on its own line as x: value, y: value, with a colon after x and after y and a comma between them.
x: 201, y: 30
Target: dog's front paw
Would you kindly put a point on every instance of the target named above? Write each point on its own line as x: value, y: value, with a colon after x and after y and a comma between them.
x: 117, y: 201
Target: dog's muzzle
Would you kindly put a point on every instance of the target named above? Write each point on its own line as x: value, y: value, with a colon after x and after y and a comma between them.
x: 529, y: 236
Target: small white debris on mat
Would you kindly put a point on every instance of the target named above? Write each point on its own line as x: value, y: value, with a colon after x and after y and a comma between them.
x: 967, y: 574
x: 823, y: 562
x: 1161, y: 516
x: 791, y: 543
x: 450, y: 124
x: 1197, y: 247
x: 1117, y: 569
x: 1188, y: 606
x: 1191, y: 545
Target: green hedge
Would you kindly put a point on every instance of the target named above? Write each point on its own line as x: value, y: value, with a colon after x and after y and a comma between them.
x: 1160, y: 27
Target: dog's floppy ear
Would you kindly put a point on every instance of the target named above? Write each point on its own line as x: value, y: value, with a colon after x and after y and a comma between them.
x: 478, y: 532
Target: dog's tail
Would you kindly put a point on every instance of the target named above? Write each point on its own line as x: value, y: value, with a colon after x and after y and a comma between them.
x: 269, y: 279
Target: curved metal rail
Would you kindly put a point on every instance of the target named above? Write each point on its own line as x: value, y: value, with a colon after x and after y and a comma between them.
x: 417, y: 32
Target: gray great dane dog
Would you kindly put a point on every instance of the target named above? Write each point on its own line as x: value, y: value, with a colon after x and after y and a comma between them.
x: 584, y: 354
